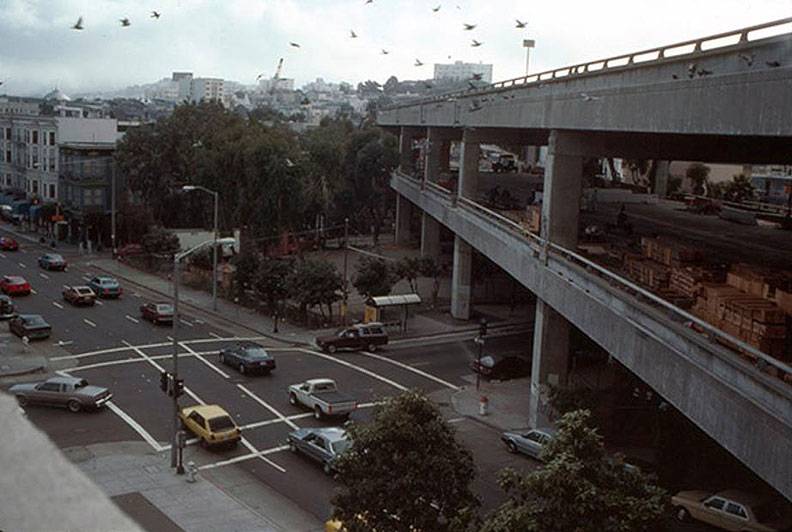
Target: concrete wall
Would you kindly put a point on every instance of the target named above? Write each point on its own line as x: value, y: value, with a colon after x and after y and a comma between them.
x: 748, y: 412
x: 75, y: 130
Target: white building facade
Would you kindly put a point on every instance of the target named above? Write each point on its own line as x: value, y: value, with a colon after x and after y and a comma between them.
x: 462, y: 71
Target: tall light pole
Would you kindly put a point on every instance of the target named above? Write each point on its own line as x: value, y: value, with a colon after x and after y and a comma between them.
x: 175, y: 455
x: 346, y: 269
x: 113, y: 209
x: 189, y: 188
x: 528, y: 44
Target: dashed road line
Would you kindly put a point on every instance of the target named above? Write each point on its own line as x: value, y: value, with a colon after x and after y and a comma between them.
x: 89, y: 322
x: 456, y: 420
x: 21, y: 265
x: 57, y: 304
x: 43, y: 275
x: 33, y: 291
x: 185, y: 322
x: 202, y: 359
x: 98, y: 302
x: 86, y: 279
x: 356, y: 368
x: 411, y: 368
x: 130, y: 318
x: 269, y: 407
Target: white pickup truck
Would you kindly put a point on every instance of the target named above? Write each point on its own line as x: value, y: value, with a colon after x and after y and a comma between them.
x: 321, y: 396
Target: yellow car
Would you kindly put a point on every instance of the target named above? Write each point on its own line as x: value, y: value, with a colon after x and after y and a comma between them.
x: 211, y: 424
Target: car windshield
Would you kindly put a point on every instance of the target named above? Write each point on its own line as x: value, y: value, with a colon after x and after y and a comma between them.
x: 324, y: 387
x: 487, y: 361
x: 340, y: 446
x: 765, y: 512
x: 164, y: 308
x: 84, y: 291
x: 256, y: 352
x: 221, y: 423
x: 16, y: 280
x: 55, y: 258
x: 35, y: 321
x: 82, y: 383
x: 340, y: 332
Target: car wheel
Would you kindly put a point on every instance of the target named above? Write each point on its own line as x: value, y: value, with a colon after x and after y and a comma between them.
x: 682, y: 514
x: 292, y: 447
x: 242, y: 369
x: 222, y: 358
x: 372, y: 347
x: 317, y: 412
x: 512, y: 447
x: 22, y: 400
x: 331, y: 349
x: 327, y: 469
x: 74, y: 406
x: 292, y: 399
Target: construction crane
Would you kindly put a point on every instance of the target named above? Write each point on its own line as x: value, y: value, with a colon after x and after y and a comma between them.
x: 278, y: 70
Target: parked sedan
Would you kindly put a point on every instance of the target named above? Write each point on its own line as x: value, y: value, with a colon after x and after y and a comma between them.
x: 14, y: 285
x: 52, y: 261
x: 7, y: 309
x: 157, y: 313
x: 248, y: 357
x: 8, y: 244
x: 31, y: 325
x: 105, y: 286
x: 79, y: 295
x: 501, y: 367
x: 530, y: 442
x: 324, y: 445
x: 731, y: 510
x: 70, y: 392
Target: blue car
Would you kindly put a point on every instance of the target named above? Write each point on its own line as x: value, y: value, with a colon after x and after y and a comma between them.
x: 52, y: 261
x: 248, y: 357
x: 105, y: 286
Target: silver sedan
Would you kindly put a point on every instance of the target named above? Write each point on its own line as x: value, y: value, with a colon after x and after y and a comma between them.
x: 530, y: 442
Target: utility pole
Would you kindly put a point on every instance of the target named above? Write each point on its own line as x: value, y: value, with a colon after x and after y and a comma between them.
x: 346, y: 270
x: 113, y: 208
x: 480, y: 341
x: 175, y: 455
x: 214, y: 251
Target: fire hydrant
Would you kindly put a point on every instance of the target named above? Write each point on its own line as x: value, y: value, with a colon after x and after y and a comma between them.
x: 483, y: 405
x: 192, y: 470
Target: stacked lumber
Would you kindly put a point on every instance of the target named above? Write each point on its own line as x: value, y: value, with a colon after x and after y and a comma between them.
x: 783, y: 299
x: 647, y: 272
x: 668, y: 252
x: 533, y: 218
x: 760, y: 282
x: 687, y: 280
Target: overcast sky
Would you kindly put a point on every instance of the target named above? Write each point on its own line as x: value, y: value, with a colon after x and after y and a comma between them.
x: 239, y: 39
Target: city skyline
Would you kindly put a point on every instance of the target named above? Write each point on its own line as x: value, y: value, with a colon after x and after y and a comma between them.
x: 244, y: 39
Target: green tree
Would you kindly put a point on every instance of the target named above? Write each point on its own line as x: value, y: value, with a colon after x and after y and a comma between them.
x: 409, y: 268
x: 580, y: 488
x: 246, y: 264
x: 740, y: 188
x: 270, y: 284
x: 405, y: 471
x: 373, y: 277
x: 699, y: 175
x: 315, y: 283
x: 159, y: 241
x: 429, y: 267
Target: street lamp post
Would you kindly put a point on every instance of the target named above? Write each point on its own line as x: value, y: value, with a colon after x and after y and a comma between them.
x: 175, y: 455
x: 346, y: 270
x: 528, y: 44
x: 189, y: 188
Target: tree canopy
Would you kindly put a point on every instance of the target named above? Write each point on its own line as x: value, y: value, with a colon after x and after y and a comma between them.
x: 374, y: 277
x: 405, y: 471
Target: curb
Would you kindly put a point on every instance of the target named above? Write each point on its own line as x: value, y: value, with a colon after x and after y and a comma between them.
x: 20, y: 372
x: 474, y: 417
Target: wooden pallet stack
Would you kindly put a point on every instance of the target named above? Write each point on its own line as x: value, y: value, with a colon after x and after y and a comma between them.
x: 668, y: 252
x: 688, y: 280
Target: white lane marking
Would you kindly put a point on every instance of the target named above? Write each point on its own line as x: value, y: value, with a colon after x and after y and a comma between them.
x: 57, y: 304
x: 215, y: 335
x: 258, y: 454
x: 136, y: 294
x: 61, y: 343
x: 151, y: 361
x: 89, y: 322
x: 86, y: 279
x: 170, y: 339
x: 185, y: 322
x: 356, y: 368
x: 136, y: 360
x: 456, y: 420
x: 32, y: 291
x: 259, y: 424
x: 130, y: 318
x: 135, y: 425
x: 43, y: 275
x: 269, y: 407
x: 2, y: 255
x: 200, y: 322
x: 126, y: 418
x: 411, y: 368
x: 22, y: 265
x: 202, y: 359
x: 98, y: 302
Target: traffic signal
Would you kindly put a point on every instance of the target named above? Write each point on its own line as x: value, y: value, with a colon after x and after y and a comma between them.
x: 178, y: 385
x: 483, y: 328
x: 164, y: 377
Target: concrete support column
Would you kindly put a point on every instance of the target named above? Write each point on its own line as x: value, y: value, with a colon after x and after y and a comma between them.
x: 444, y: 156
x: 434, y: 145
x: 430, y: 236
x: 406, y: 139
x: 563, y: 186
x: 403, y: 215
x: 461, y: 279
x: 661, y: 178
x: 469, y: 164
x: 550, y: 360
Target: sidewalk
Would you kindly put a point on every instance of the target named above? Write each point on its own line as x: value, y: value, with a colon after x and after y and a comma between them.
x: 18, y: 360
x: 141, y: 482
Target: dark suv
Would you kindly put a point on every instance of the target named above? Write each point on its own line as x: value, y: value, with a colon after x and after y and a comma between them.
x: 368, y: 336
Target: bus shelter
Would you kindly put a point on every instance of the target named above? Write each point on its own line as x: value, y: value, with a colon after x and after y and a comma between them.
x: 377, y: 308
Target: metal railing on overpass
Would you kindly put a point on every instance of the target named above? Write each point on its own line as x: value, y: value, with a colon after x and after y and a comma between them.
x: 538, y: 244
x: 694, y: 48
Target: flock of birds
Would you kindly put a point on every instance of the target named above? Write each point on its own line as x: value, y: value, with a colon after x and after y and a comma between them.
x: 125, y: 22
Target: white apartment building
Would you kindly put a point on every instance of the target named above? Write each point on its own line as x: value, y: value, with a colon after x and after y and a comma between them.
x: 207, y: 89
x: 462, y: 71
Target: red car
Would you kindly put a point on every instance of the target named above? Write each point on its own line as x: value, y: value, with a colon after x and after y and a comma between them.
x: 13, y: 285
x: 157, y: 313
x: 8, y: 244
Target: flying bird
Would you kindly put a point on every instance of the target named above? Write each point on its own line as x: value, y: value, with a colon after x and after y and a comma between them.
x: 124, y: 22
x: 704, y: 72
x: 384, y: 52
x: 476, y: 76
x: 588, y: 97
x: 154, y: 14
x: 773, y: 64
x: 78, y: 25
x: 475, y: 106
x: 674, y: 76
x: 692, y: 70
x: 418, y: 63
x: 294, y: 44
x: 352, y: 34
x: 521, y: 24
x: 469, y: 27
x: 369, y: 1
x: 748, y: 58
x: 475, y: 43
x: 437, y: 8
